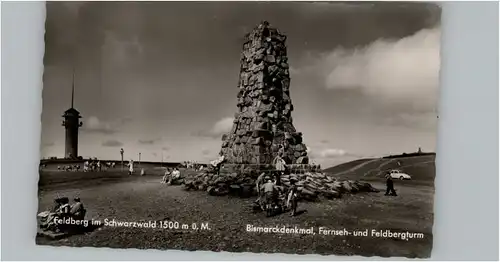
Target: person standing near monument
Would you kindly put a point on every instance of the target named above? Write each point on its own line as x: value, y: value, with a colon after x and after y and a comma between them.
x: 131, y: 167
x: 292, y: 197
x: 270, y: 192
x: 259, y: 181
x: 279, y: 163
x: 258, y: 184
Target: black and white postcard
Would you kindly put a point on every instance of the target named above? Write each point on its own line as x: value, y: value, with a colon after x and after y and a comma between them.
x: 264, y: 127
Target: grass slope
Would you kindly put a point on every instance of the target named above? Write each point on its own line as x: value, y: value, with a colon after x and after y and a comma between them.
x: 420, y: 168
x: 346, y: 166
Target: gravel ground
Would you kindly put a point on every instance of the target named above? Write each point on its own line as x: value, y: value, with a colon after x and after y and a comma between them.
x: 145, y: 199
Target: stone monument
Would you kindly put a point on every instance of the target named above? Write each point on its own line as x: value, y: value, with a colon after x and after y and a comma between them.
x: 263, y: 127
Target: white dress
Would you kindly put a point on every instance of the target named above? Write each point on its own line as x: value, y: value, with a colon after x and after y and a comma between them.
x: 131, y: 167
x: 279, y: 164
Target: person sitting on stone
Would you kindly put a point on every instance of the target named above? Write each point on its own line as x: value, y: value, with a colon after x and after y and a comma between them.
x: 165, y: 176
x: 64, y: 209
x: 269, y: 192
x: 259, y: 181
x: 48, y: 216
x: 57, y: 205
x: 176, y: 174
x: 217, y: 164
x: 77, y: 210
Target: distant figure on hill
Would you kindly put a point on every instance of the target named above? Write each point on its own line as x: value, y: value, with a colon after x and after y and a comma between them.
x: 390, y: 186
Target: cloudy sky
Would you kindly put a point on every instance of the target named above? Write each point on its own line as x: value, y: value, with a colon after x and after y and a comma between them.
x: 161, y: 78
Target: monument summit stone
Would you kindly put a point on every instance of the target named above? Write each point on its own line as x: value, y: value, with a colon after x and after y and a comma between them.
x: 263, y: 126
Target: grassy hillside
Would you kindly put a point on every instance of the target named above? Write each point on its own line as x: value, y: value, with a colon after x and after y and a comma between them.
x: 421, y: 168
x: 345, y: 166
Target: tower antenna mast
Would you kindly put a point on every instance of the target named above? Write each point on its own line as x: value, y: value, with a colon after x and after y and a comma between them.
x: 73, y: 89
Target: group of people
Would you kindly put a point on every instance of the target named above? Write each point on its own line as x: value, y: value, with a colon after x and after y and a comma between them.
x: 192, y: 164
x: 171, y: 175
x: 270, y: 192
x: 91, y: 165
x: 62, y: 209
x: 69, y: 168
x: 303, y: 168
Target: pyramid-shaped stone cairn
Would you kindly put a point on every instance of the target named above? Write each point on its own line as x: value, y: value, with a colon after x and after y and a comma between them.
x: 263, y: 129
x: 263, y: 123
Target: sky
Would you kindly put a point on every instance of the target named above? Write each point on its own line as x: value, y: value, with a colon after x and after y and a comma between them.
x: 160, y: 78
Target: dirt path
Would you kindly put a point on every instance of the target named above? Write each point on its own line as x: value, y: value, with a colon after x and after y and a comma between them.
x: 354, y: 168
x: 378, y: 170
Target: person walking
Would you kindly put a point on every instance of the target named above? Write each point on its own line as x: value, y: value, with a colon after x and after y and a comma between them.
x: 390, y: 186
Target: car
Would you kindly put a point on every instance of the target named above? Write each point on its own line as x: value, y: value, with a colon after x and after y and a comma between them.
x: 397, y: 174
